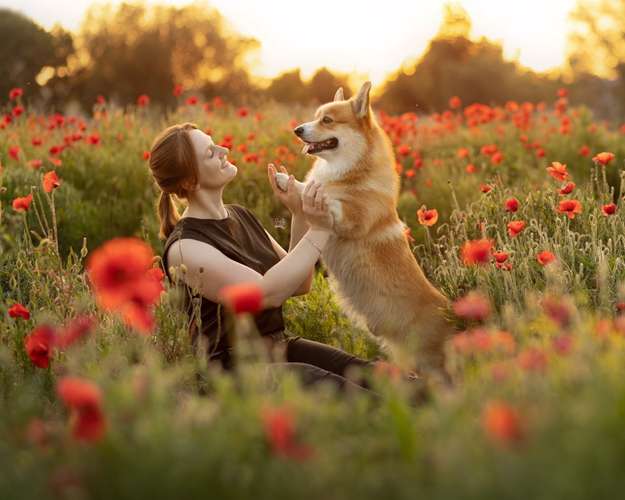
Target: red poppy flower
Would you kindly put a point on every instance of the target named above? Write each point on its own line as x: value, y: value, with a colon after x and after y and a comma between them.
x: 403, y: 150
x: 94, y: 139
x: 584, y: 151
x: 17, y: 310
x: 178, y: 89
x: 486, y: 188
x: 242, y: 112
x: 476, y: 252
x: 515, y: 227
x: 567, y: 188
x: 84, y: 399
x: 39, y: 344
x: 470, y: 168
x: 191, y: 100
x: 100, y: 99
x: 455, y: 102
x: 558, y: 171
x: 563, y: 344
x: 14, y: 152
x: 427, y: 217
x: 118, y: 271
x: 512, y: 205
x: 50, y: 181
x: 570, y: 208
x: 242, y: 297
x: 16, y: 92
x: 532, y: 359
x: 501, y: 257
x: 143, y: 100
x: 77, y: 329
x: 545, y: 257
x: 146, y: 155
x: 496, y: 158
x: 502, y: 423
x: 21, y: 204
x: 603, y: 158
x: 17, y: 111
x: 462, y: 153
x: 488, y: 149
x: 473, y: 306
x: 279, y: 426
x: 609, y: 209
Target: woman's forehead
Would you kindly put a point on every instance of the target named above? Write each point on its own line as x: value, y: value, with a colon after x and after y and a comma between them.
x: 201, y: 138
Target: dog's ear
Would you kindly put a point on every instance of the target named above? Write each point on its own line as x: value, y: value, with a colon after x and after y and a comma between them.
x: 339, y: 96
x: 360, y: 104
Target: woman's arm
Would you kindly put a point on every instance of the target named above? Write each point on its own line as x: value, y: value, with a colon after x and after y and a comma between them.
x: 208, y: 270
x: 298, y: 229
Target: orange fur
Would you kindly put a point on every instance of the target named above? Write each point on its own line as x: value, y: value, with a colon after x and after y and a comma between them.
x: 377, y: 276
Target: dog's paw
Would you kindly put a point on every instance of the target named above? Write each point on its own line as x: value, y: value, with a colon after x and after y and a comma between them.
x: 282, y: 181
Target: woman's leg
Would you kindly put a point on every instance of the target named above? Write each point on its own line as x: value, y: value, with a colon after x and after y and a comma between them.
x: 331, y: 359
x: 311, y: 375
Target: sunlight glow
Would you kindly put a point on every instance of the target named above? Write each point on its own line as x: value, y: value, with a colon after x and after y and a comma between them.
x: 365, y: 37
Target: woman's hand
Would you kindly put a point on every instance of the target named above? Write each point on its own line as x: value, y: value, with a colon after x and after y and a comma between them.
x: 315, y: 207
x: 290, y: 198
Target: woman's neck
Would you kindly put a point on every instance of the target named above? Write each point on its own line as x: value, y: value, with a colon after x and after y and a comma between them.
x: 206, y: 205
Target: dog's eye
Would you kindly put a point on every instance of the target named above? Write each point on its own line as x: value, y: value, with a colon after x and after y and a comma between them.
x: 327, y: 120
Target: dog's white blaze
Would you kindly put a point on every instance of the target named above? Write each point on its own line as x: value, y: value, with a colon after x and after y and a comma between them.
x: 335, y: 163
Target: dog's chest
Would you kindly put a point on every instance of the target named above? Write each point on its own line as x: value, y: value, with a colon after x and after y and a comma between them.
x: 347, y: 261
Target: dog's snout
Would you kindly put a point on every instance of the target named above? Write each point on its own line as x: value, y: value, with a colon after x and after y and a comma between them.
x: 299, y: 131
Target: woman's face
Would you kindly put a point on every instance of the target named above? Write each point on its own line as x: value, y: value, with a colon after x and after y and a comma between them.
x: 214, y: 169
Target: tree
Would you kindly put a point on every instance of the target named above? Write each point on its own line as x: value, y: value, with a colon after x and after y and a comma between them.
x: 597, y: 44
x: 288, y: 87
x: 324, y: 83
x: 25, y: 49
x: 455, y: 65
x: 132, y: 49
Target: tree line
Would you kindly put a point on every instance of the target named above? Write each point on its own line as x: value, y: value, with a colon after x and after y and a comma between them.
x: 127, y: 50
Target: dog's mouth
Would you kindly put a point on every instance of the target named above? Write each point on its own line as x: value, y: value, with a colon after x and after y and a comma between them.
x: 315, y: 147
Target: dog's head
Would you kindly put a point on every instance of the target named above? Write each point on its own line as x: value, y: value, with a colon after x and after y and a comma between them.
x: 339, y: 127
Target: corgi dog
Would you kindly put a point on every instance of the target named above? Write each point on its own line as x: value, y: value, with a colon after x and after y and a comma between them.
x: 376, y: 276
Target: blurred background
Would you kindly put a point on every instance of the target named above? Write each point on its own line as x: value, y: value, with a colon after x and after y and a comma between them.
x: 67, y: 53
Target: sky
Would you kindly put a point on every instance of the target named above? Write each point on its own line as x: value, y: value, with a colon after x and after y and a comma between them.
x: 370, y: 38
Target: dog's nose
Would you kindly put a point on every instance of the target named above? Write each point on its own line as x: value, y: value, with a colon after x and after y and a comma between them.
x: 299, y: 131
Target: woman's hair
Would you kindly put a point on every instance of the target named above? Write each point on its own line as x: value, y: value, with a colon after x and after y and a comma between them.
x: 173, y: 163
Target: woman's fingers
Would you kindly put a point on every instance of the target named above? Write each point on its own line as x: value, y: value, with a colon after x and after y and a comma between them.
x: 271, y: 173
x: 319, y: 198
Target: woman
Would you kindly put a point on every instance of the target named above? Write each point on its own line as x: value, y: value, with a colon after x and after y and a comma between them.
x: 224, y: 245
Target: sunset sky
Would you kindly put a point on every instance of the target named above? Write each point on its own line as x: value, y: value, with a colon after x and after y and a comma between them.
x: 366, y: 37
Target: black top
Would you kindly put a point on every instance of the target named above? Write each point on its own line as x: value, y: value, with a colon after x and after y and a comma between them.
x: 240, y: 237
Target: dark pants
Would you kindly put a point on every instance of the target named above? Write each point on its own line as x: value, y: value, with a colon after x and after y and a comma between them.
x: 318, y: 362
x: 312, y: 361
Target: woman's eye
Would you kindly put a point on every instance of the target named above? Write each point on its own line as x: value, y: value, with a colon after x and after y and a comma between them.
x: 326, y: 120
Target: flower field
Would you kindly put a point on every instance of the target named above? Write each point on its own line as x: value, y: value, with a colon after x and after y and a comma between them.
x: 514, y: 212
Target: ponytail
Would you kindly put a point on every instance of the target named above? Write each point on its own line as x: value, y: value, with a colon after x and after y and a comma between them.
x: 168, y: 214
x: 173, y: 163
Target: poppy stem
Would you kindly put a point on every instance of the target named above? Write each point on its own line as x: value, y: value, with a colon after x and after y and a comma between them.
x: 46, y: 229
